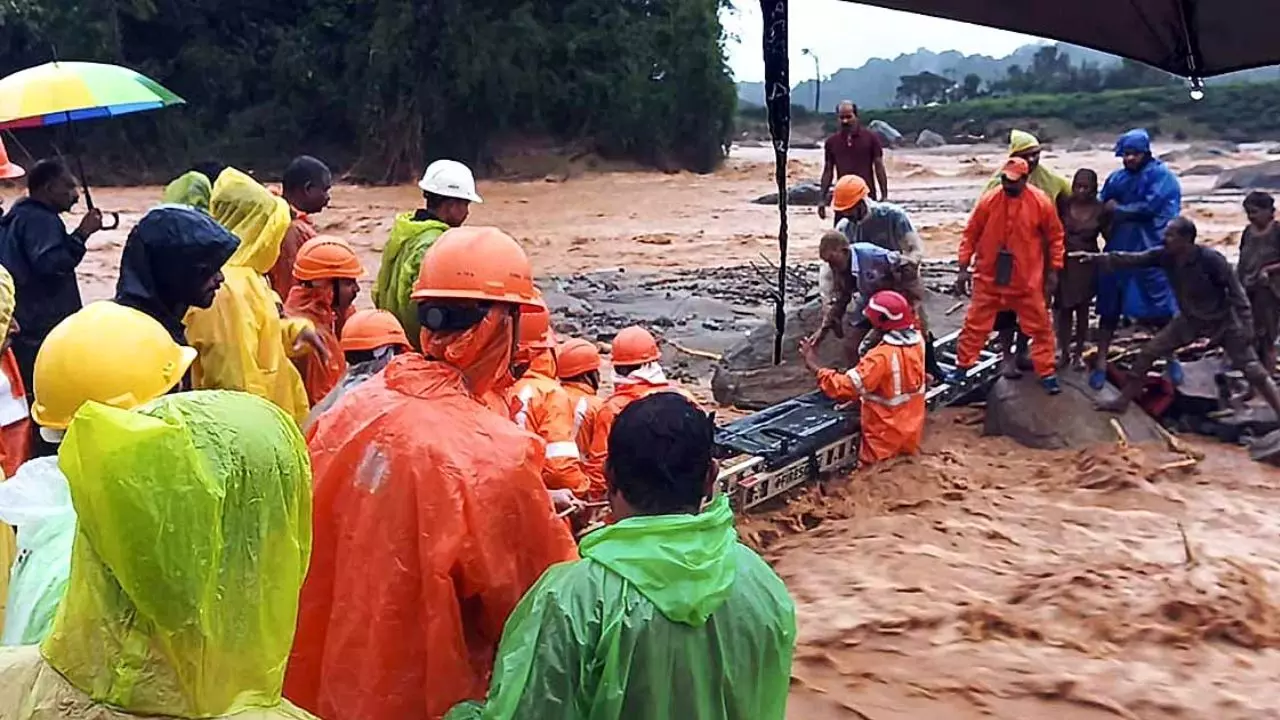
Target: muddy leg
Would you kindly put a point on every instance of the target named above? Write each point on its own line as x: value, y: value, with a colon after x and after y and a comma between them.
x: 1062, y: 318
x: 1081, y: 336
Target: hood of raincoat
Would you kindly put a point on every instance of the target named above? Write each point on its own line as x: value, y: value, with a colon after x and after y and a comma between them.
x: 543, y: 363
x: 482, y: 353
x: 192, y: 188
x: 193, y: 539
x: 682, y: 563
x: 171, y: 251
x: 8, y: 301
x: 258, y: 218
x: 1021, y: 141
x: 1134, y: 141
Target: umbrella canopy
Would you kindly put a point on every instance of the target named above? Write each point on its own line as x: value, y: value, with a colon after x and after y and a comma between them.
x: 1192, y: 38
x: 60, y: 92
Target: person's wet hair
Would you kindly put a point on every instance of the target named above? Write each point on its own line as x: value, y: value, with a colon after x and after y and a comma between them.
x: 210, y: 169
x: 1182, y: 225
x: 302, y: 171
x: 1260, y: 200
x: 43, y: 173
x: 589, y: 378
x: 659, y: 454
x: 625, y: 370
x: 832, y: 241
x: 1086, y: 174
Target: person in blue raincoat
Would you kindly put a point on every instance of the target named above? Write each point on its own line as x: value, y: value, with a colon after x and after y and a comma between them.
x: 1143, y: 197
x: 666, y: 616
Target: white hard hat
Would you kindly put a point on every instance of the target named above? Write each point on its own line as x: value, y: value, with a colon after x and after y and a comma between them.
x: 450, y: 178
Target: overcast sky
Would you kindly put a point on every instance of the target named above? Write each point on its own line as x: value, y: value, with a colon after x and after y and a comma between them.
x: 845, y: 34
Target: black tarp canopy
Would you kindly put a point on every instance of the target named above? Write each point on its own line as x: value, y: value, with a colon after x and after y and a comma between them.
x: 1195, y: 39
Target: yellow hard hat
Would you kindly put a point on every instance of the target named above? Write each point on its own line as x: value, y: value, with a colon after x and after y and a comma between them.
x: 108, y: 353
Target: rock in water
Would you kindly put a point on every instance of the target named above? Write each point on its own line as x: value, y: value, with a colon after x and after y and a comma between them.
x: 1203, y: 170
x: 1021, y: 410
x: 930, y: 139
x: 1080, y: 145
x: 1263, y: 175
x: 807, y: 193
x: 887, y: 133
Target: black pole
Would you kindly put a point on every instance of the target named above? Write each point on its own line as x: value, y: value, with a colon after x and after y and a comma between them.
x: 75, y: 151
x: 817, y: 86
x: 777, y: 92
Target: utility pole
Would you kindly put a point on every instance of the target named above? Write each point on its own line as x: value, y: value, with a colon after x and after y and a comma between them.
x: 817, y: 81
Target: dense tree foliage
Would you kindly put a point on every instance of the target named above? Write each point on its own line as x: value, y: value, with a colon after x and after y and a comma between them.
x: 381, y: 86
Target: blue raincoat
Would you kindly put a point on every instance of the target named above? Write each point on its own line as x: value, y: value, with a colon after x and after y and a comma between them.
x: 1148, y: 199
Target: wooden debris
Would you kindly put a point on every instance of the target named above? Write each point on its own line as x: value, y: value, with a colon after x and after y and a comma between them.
x: 951, y: 310
x: 1179, y: 464
x: 1120, y: 433
x: 696, y: 353
x: 1189, y: 557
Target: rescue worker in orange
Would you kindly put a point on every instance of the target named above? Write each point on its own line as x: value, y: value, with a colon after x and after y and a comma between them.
x: 326, y: 272
x: 890, y: 380
x: 305, y: 186
x: 578, y: 367
x: 540, y: 405
x: 1005, y: 243
x: 430, y: 516
x: 370, y: 338
x: 637, y: 373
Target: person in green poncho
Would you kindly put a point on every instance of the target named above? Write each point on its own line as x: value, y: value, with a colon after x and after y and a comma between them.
x: 667, y: 616
x: 449, y: 189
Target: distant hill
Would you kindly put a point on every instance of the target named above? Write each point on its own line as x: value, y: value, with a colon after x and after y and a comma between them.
x: 875, y: 84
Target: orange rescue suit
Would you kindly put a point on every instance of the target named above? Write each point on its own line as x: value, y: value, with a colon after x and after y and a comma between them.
x: 15, y: 438
x: 280, y: 276
x: 540, y: 405
x: 624, y: 393
x: 315, y: 303
x: 1029, y: 228
x: 586, y: 408
x: 890, y: 381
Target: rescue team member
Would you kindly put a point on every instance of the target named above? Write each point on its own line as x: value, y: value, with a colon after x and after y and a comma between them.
x: 541, y: 406
x: 326, y: 271
x: 637, y: 373
x: 42, y: 256
x: 1259, y: 270
x: 135, y: 361
x: 890, y: 380
x: 429, y: 502
x: 1005, y: 242
x: 15, y: 412
x: 449, y: 189
x: 866, y: 269
x: 853, y: 150
x: 243, y: 342
x: 370, y: 338
x: 861, y: 219
x: 1213, y: 306
x: 578, y: 367
x: 1024, y: 145
x: 305, y: 186
x: 667, y: 615
x: 192, y: 540
x: 171, y: 263
x: 1143, y: 196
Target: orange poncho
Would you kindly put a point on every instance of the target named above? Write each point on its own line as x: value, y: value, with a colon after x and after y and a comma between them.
x: 315, y: 303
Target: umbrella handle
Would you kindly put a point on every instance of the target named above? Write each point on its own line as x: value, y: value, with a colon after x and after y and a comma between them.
x: 115, y: 220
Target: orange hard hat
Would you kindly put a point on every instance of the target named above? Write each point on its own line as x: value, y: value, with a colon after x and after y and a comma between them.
x: 635, y: 346
x: 325, y: 257
x: 889, y: 310
x: 476, y: 263
x: 372, y: 329
x: 850, y: 190
x: 9, y: 170
x: 577, y: 357
x: 535, y: 328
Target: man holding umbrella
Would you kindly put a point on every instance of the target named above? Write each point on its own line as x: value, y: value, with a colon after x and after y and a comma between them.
x: 42, y: 256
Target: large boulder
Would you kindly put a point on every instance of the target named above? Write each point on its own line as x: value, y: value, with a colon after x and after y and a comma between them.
x: 1080, y: 145
x: 1250, y: 177
x: 1207, y: 169
x: 1021, y: 410
x: 930, y: 139
x: 887, y: 133
x: 806, y: 193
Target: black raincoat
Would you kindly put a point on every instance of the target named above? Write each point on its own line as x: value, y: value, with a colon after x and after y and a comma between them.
x: 170, y: 254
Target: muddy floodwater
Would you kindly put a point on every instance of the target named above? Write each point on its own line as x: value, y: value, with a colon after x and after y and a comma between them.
x: 980, y: 579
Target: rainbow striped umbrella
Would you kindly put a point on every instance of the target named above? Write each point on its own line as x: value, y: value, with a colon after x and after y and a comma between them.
x: 62, y: 92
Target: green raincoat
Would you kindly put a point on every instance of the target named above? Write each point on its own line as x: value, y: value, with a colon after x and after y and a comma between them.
x: 401, y: 260
x: 193, y: 539
x: 665, y: 618
x: 190, y: 188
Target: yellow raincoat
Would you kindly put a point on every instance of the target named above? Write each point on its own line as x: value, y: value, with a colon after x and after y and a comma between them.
x: 193, y: 539
x: 243, y: 342
x: 1053, y: 184
x: 8, y: 541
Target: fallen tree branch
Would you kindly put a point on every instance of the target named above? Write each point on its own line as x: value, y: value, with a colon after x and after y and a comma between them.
x: 696, y: 353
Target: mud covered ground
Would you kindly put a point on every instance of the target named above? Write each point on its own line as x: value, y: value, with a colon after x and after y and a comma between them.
x: 978, y: 580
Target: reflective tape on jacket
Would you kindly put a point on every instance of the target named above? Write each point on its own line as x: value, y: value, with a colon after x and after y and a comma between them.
x: 898, y: 397
x: 562, y: 449
x: 580, y: 415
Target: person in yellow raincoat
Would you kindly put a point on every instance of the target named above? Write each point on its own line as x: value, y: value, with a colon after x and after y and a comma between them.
x: 243, y: 342
x: 15, y: 437
x: 194, y: 535
x: 191, y: 188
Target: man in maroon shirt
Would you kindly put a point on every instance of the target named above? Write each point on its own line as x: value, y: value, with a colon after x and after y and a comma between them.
x: 853, y: 151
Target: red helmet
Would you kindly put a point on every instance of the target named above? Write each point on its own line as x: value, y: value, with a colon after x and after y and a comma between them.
x: 889, y: 310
